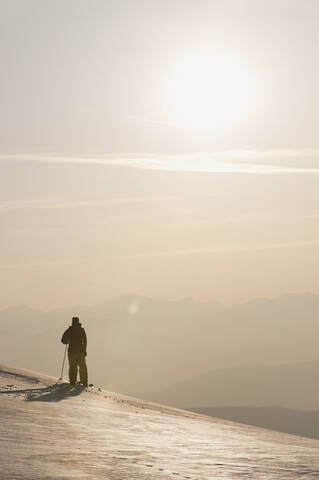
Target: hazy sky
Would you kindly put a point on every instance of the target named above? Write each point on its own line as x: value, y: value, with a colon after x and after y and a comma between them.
x: 107, y: 186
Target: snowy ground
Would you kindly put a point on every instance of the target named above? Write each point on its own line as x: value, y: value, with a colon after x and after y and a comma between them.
x: 52, y: 431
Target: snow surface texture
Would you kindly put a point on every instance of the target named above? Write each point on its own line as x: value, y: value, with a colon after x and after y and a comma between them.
x: 50, y: 430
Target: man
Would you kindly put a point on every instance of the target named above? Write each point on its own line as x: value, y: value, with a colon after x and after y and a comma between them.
x: 75, y: 337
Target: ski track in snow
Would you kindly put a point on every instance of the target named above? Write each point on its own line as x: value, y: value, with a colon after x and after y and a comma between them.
x: 52, y: 431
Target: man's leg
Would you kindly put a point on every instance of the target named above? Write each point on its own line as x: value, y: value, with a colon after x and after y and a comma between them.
x: 73, y: 367
x: 83, y: 370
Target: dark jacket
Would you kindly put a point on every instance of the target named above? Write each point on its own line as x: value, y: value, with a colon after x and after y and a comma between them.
x: 75, y: 336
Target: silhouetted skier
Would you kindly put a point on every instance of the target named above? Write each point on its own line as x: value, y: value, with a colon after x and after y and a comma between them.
x: 75, y: 337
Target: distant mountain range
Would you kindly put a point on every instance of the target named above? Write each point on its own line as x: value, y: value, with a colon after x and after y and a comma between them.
x: 293, y: 385
x: 137, y: 344
x: 296, y: 422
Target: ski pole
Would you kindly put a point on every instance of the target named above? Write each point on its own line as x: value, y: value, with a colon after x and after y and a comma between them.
x: 61, y: 376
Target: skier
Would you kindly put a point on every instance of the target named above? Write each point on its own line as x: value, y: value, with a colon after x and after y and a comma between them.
x: 75, y: 337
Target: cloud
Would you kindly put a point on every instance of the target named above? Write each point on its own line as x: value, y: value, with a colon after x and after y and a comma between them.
x: 249, y: 217
x: 70, y: 203
x: 247, y: 161
x: 167, y: 253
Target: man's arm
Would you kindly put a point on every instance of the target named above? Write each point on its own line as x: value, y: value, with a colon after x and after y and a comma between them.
x: 84, y: 341
x: 66, y: 337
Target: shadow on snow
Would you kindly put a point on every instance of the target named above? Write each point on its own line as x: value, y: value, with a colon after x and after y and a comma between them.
x: 52, y: 393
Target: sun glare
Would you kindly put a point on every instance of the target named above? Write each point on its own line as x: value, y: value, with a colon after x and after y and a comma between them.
x: 209, y: 91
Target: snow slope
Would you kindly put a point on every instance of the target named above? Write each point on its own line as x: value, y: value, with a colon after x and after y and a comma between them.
x: 53, y: 431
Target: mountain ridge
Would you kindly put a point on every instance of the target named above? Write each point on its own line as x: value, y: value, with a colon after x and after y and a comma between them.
x: 140, y: 297
x: 289, y: 385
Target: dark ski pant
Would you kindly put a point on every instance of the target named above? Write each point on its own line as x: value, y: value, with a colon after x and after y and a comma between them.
x: 77, y: 360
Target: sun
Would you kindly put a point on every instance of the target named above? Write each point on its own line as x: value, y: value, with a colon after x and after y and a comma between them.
x: 209, y: 91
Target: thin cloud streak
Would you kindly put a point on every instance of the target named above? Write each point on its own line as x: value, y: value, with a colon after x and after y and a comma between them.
x: 249, y: 217
x: 294, y: 215
x: 168, y: 253
x: 63, y: 203
x: 248, y: 161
